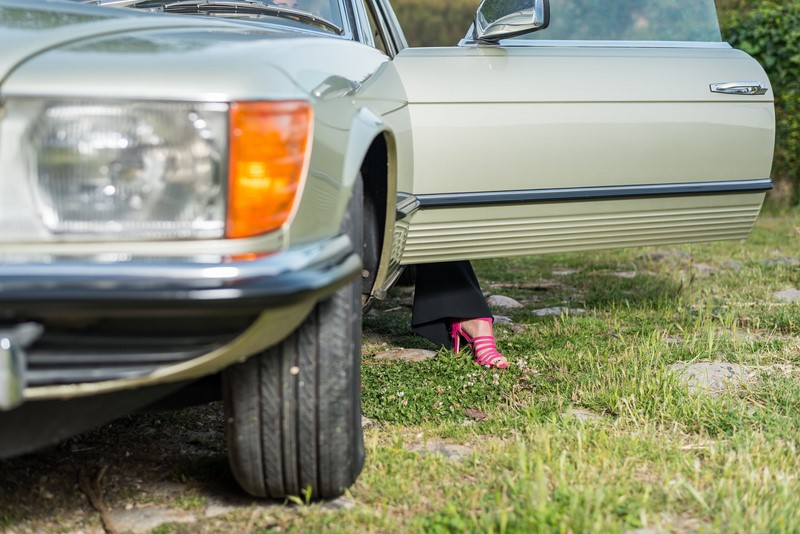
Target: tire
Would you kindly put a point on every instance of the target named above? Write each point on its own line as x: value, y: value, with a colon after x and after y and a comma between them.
x: 293, y: 412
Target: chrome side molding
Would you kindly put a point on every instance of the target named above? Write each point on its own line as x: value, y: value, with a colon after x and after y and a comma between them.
x: 740, y: 88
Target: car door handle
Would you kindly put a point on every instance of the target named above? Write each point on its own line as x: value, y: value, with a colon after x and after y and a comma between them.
x: 740, y: 88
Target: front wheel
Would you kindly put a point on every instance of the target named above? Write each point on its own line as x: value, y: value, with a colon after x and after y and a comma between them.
x: 293, y: 412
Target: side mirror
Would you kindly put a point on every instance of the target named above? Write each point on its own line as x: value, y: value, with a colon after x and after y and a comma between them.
x: 501, y: 19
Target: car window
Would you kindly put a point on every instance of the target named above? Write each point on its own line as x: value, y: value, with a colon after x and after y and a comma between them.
x: 630, y: 20
x: 376, y: 30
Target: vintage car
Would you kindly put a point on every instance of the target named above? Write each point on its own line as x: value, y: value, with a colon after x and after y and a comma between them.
x: 200, y: 195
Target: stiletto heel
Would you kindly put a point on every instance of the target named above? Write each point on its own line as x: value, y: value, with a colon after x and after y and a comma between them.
x: 483, y: 347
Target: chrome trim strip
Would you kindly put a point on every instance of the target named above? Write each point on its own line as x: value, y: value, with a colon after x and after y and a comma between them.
x: 407, y: 204
x: 544, y: 43
x: 574, y: 194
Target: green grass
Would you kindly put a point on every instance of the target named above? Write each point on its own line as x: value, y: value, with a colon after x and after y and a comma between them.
x: 649, y: 455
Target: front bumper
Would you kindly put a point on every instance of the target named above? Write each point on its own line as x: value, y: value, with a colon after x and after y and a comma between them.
x: 273, y: 294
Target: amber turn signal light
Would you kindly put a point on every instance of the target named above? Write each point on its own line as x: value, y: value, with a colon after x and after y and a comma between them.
x: 268, y: 157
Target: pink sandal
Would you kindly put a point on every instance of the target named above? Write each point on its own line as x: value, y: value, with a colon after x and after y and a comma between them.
x: 483, y: 347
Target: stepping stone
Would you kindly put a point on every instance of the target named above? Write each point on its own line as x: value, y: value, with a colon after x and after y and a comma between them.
x: 782, y: 261
x: 502, y: 319
x: 733, y: 265
x: 704, y: 268
x: 583, y: 414
x: 624, y: 274
x: 557, y: 311
x: 501, y: 301
x: 565, y: 272
x: 146, y: 519
x: 661, y: 255
x: 788, y: 295
x: 449, y: 451
x: 366, y: 422
x: 408, y: 355
x: 710, y: 377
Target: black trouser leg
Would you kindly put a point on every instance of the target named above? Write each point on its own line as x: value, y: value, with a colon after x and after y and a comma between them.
x: 444, y: 291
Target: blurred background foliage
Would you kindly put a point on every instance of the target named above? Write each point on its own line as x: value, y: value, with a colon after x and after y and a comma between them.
x: 768, y: 30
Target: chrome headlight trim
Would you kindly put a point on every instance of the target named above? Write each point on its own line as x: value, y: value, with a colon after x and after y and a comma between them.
x: 80, y: 169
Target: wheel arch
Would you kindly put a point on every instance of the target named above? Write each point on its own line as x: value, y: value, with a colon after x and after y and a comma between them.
x: 375, y: 162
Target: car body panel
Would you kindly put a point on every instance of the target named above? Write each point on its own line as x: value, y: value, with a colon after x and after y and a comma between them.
x: 578, y: 120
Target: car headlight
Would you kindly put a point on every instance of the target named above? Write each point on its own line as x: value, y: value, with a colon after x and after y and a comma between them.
x: 149, y: 170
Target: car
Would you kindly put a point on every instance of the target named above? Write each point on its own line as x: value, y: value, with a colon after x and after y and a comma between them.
x: 206, y: 192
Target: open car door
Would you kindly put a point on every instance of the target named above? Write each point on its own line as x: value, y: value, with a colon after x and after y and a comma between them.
x: 623, y: 123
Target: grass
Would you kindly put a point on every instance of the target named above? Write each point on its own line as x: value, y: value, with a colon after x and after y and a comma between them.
x: 589, y: 431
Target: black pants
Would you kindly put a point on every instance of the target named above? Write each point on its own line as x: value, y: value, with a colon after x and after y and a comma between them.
x: 444, y: 291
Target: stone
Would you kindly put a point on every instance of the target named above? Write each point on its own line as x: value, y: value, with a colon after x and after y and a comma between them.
x: 408, y: 355
x: 583, y: 414
x: 557, y: 311
x: 449, y: 451
x: 661, y: 255
x: 733, y: 265
x: 782, y: 261
x: 704, y: 268
x: 624, y: 274
x: 565, y: 272
x: 501, y: 301
x: 138, y: 520
x: 342, y: 503
x: 502, y: 319
x: 710, y: 377
x: 788, y: 295
x: 366, y: 422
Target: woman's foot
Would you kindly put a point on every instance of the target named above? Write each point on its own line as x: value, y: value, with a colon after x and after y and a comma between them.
x: 478, y: 333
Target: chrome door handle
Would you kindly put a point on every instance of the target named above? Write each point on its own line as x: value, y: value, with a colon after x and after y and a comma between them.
x: 740, y: 88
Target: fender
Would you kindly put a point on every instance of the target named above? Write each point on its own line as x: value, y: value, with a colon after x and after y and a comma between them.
x: 365, y: 128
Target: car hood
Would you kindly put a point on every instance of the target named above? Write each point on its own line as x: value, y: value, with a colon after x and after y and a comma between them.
x: 30, y: 28
x: 123, y: 53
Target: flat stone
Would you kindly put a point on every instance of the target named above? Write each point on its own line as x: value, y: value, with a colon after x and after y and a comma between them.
x: 661, y: 255
x: 558, y: 310
x: 704, y: 268
x: 782, y: 261
x: 408, y: 355
x: 565, y: 272
x: 733, y: 265
x: 624, y: 274
x: 644, y: 531
x: 501, y: 301
x: 449, y: 451
x: 788, y: 295
x: 146, y: 519
x: 342, y: 503
x: 583, y: 414
x: 710, y: 377
x: 224, y: 504
x: 366, y: 421
x: 502, y: 319
x: 218, y: 510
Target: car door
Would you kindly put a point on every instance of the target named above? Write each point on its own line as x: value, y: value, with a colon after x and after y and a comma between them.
x: 636, y: 127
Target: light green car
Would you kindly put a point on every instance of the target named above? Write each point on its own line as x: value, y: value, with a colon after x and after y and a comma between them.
x: 205, y: 202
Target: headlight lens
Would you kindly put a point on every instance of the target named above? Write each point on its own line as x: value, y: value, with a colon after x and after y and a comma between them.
x: 93, y: 170
x: 129, y: 169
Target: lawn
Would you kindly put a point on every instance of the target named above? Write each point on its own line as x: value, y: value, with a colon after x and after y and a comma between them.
x: 590, y: 430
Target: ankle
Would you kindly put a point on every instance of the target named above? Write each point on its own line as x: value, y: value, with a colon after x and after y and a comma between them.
x: 477, y: 327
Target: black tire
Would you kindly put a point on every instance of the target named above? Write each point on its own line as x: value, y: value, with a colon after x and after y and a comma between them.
x: 293, y: 412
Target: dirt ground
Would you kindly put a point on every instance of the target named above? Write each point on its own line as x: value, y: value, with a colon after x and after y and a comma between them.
x: 130, y: 475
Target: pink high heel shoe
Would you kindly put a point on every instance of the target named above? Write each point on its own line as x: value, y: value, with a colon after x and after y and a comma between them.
x: 483, y: 347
